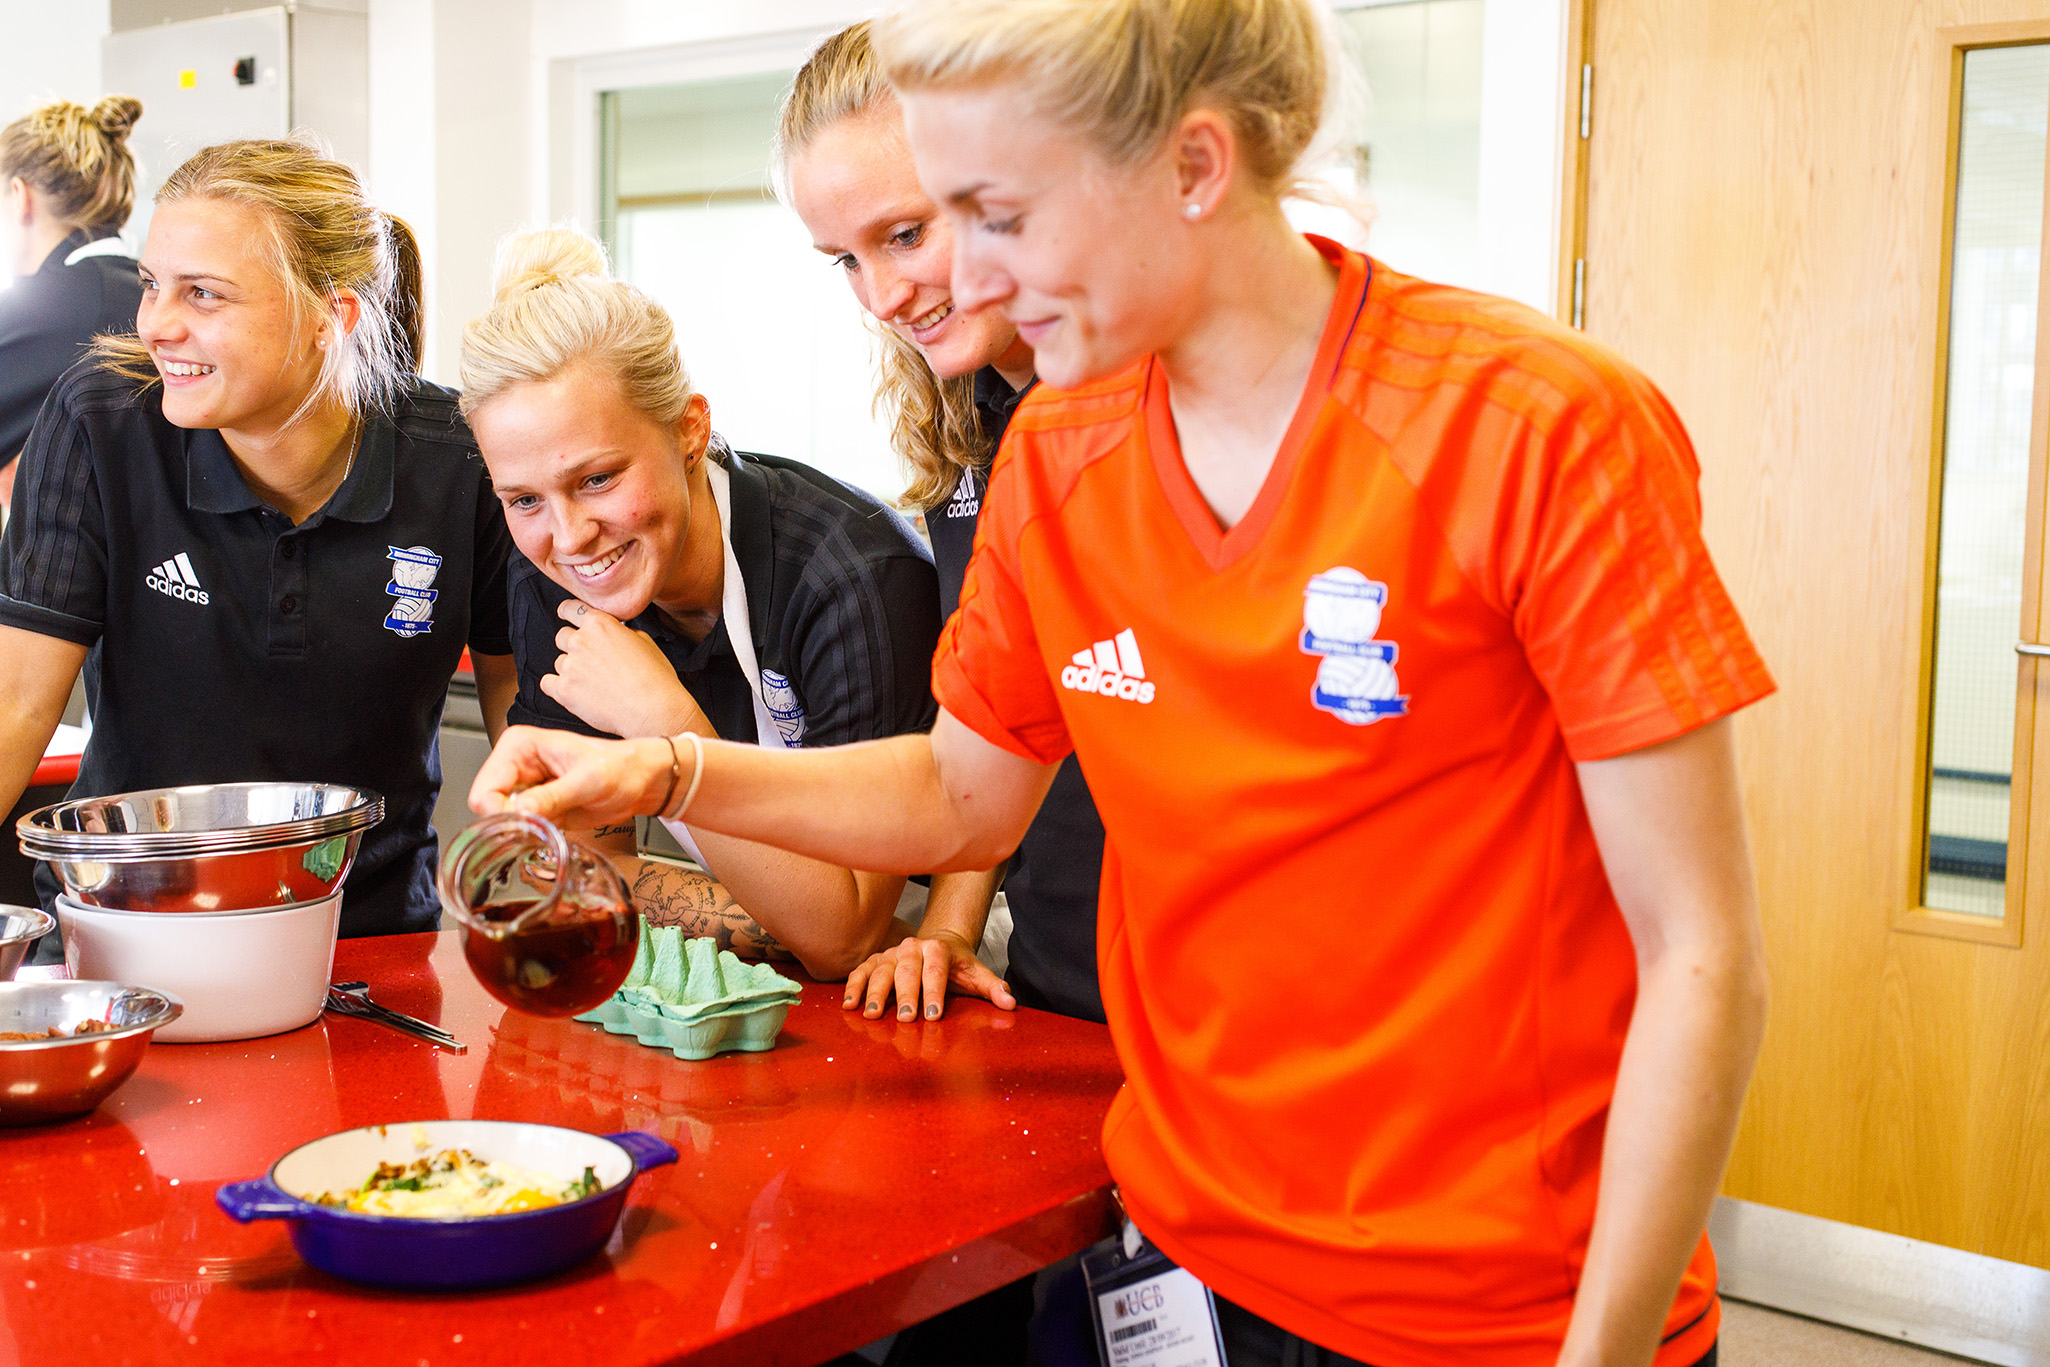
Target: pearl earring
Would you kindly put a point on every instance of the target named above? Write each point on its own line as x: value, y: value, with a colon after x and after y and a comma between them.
x: 322, y: 344
x: 1192, y: 211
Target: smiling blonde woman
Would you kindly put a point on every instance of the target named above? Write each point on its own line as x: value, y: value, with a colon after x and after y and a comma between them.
x: 667, y: 584
x: 270, y: 538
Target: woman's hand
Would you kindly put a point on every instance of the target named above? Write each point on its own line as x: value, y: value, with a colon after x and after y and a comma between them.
x: 927, y: 967
x: 616, y: 678
x: 572, y: 780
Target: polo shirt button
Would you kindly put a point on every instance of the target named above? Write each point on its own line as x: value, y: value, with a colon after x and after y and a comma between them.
x: 289, y: 549
x: 290, y: 604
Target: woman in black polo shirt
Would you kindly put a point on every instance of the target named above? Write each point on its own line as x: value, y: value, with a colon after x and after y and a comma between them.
x: 67, y: 184
x: 265, y: 540
x: 953, y: 378
x: 667, y: 583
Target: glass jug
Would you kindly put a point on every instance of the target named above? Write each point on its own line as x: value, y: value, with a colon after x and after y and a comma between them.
x: 549, y: 925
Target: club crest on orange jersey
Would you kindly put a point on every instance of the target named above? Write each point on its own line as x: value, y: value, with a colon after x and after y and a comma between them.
x: 1356, y: 680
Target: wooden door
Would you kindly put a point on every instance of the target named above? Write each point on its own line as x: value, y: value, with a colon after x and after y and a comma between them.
x: 1764, y: 236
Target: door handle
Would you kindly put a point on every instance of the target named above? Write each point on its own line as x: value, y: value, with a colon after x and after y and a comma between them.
x: 2030, y: 648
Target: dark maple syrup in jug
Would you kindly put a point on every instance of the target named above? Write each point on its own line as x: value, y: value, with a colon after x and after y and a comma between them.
x: 549, y: 925
x: 565, y: 964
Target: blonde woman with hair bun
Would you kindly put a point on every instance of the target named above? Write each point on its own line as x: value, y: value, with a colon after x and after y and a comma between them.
x: 667, y: 584
x: 1380, y: 617
x: 951, y: 378
x: 67, y: 185
x: 270, y: 537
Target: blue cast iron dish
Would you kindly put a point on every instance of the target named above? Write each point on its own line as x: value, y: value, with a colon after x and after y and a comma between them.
x: 418, y: 1254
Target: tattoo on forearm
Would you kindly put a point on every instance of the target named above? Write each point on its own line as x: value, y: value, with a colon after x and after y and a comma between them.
x: 625, y: 829
x: 672, y: 896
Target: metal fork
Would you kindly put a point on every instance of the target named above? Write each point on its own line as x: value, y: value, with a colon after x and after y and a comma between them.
x: 353, y: 999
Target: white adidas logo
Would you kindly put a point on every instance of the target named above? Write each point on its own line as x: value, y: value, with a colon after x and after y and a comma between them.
x: 176, y: 579
x: 1112, y: 668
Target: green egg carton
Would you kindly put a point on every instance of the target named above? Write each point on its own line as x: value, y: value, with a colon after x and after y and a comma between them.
x: 696, y: 1000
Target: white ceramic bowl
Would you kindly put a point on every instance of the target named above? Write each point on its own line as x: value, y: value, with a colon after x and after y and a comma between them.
x: 259, y: 973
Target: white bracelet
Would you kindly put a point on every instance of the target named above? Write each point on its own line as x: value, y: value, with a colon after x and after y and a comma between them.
x: 697, y: 774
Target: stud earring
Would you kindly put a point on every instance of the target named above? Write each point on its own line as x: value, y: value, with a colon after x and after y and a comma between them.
x: 322, y: 344
x: 1192, y: 211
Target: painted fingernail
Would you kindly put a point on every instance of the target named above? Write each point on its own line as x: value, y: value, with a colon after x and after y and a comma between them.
x: 932, y: 1013
x: 904, y: 1013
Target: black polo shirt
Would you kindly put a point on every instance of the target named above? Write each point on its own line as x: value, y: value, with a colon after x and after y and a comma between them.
x: 1055, y: 876
x: 842, y: 604
x: 229, y: 645
x: 46, y: 322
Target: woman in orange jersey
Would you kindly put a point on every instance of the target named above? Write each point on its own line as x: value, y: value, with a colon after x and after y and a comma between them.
x: 1379, y: 615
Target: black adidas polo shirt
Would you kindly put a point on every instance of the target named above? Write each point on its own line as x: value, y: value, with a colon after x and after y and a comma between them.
x: 1054, y: 878
x: 843, y: 612
x: 48, y: 319
x: 229, y: 645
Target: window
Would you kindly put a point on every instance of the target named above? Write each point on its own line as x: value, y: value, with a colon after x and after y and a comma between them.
x: 1996, y: 253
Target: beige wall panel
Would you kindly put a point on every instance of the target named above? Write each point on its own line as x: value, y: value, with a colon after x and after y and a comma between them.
x: 1760, y: 240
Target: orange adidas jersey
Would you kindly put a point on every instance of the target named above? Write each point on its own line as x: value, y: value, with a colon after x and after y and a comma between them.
x: 1362, y: 965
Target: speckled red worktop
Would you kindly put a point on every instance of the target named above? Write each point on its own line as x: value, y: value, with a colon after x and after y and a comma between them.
x: 857, y: 1178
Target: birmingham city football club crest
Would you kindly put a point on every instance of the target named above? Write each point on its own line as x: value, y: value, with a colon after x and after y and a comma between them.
x: 413, y: 571
x: 1356, y: 680
x: 784, y: 709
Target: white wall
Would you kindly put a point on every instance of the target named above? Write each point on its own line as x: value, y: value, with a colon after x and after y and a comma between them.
x: 480, y: 124
x: 49, y: 50
x: 450, y: 82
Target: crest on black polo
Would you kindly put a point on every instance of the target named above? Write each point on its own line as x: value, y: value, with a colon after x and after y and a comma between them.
x: 412, y: 584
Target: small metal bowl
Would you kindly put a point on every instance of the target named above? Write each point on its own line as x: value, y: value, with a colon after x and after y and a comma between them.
x: 42, y: 1081
x: 208, y: 847
x: 20, y: 927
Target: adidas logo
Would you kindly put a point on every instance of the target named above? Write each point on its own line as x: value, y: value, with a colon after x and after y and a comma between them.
x: 175, y: 579
x: 1112, y: 668
x: 967, y: 503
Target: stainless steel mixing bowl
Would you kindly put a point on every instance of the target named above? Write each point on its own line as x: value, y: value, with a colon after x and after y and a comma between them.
x: 208, y: 847
x: 20, y: 927
x: 48, y: 1080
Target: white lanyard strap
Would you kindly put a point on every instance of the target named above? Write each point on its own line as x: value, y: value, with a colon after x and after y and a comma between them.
x: 739, y: 632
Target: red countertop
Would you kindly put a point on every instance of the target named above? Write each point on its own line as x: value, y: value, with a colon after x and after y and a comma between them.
x: 859, y: 1177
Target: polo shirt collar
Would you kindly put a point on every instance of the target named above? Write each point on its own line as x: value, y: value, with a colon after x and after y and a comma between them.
x: 55, y: 260
x: 214, y: 485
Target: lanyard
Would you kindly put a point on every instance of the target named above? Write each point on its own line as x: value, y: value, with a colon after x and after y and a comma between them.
x: 769, y: 728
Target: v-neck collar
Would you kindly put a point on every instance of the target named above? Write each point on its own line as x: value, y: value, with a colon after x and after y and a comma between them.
x: 1219, y: 547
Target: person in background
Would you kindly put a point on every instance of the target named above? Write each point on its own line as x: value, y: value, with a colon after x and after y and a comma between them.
x: 666, y: 583
x: 1380, y: 615
x: 951, y: 379
x: 67, y: 185
x: 262, y: 536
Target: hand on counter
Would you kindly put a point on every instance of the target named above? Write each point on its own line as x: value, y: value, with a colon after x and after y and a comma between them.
x: 617, y: 679
x: 919, y: 971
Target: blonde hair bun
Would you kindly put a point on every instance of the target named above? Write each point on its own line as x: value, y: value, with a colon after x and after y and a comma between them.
x: 78, y: 158
x: 115, y: 115
x: 547, y: 256
x: 555, y: 305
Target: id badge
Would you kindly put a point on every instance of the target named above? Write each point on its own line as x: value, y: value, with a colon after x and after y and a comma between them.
x: 1147, y: 1311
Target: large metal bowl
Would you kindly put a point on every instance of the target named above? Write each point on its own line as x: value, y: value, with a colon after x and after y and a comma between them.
x: 48, y: 1080
x: 20, y: 927
x: 208, y: 847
